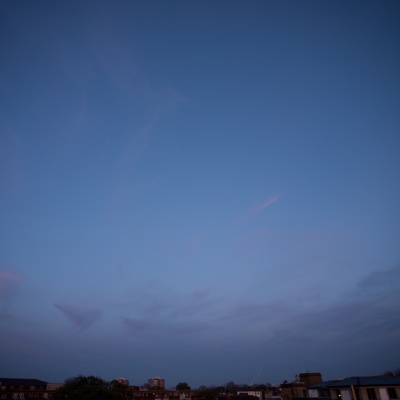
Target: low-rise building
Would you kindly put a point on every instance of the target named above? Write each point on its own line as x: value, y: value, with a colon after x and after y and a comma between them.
x: 358, y: 388
x: 148, y: 394
x: 26, y: 389
x: 298, y: 388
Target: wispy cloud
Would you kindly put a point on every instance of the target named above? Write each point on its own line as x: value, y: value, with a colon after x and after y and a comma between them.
x: 388, y: 278
x: 362, y: 316
x: 167, y: 328
x: 257, y: 208
x: 9, y: 282
x: 80, y: 317
x: 175, y: 315
x: 133, y: 325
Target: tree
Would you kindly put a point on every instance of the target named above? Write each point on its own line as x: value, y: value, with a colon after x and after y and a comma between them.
x: 91, y: 388
x: 182, y: 386
x: 396, y: 372
x: 119, y: 390
x: 208, y: 393
x: 231, y: 387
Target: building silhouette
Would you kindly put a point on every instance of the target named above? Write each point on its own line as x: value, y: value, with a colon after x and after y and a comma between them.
x: 156, y: 383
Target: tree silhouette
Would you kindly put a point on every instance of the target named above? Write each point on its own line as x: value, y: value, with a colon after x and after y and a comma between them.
x: 91, y: 388
x: 182, y: 386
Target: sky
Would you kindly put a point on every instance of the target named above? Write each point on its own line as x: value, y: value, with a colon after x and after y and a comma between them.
x: 207, y: 191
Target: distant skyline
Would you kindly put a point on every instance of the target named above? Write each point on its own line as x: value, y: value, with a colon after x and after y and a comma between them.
x: 199, y: 190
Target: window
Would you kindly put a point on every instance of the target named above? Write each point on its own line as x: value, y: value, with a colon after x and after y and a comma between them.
x: 392, y: 393
x: 371, y: 394
x: 324, y: 393
x: 358, y: 394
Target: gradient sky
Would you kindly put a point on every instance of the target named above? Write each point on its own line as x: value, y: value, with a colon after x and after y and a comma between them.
x: 202, y: 190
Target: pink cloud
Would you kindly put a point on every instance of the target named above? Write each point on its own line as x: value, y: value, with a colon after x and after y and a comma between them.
x: 9, y: 283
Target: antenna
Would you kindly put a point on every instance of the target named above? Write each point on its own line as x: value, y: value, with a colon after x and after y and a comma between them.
x: 256, y: 376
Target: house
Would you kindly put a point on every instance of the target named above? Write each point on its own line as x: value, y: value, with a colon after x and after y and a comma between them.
x: 358, y: 388
x: 298, y: 388
x: 26, y: 389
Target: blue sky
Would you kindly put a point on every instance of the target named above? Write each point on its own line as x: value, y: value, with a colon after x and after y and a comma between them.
x: 199, y: 190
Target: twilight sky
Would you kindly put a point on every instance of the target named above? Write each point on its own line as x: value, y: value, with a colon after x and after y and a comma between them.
x: 202, y: 190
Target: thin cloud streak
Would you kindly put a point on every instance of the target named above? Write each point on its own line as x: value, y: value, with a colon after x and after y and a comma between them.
x: 256, y: 209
